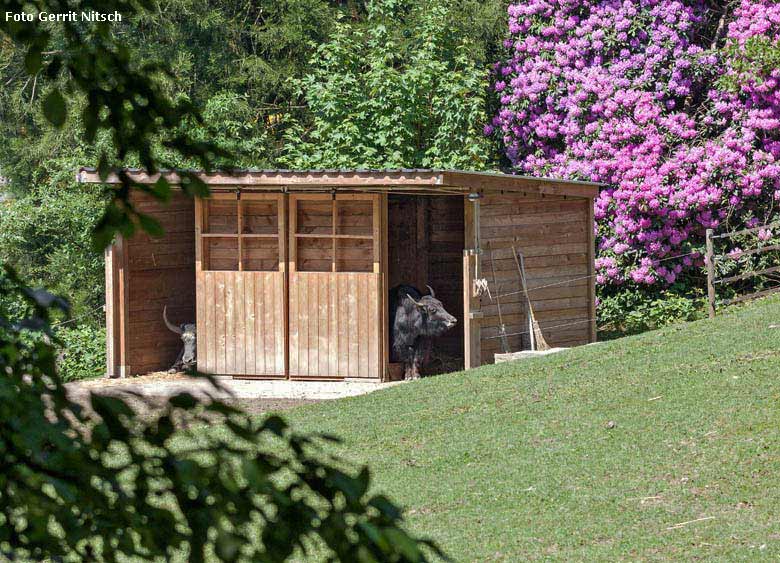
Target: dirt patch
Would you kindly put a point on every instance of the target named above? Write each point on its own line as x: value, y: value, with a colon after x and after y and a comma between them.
x: 148, y: 393
x: 133, y: 380
x: 149, y: 406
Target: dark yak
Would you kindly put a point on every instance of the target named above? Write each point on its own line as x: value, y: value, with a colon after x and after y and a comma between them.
x: 187, y: 331
x: 414, y: 321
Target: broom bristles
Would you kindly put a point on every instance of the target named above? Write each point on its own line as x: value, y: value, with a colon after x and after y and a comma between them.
x: 541, y: 343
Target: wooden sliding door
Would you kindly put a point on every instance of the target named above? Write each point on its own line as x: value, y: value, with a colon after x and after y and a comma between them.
x: 313, y: 313
x: 240, y: 273
x: 335, y: 286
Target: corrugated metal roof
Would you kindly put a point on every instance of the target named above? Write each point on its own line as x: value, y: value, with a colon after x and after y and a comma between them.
x: 326, y: 171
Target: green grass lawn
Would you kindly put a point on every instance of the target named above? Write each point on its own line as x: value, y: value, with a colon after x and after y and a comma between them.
x: 594, y: 453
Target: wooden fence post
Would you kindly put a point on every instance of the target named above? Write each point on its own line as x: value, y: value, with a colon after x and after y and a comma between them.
x: 710, y: 258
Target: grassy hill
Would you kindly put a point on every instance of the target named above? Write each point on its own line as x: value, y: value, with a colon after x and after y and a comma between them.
x: 594, y: 453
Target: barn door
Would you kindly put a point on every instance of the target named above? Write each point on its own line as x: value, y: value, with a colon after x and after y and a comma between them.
x: 335, y: 286
x: 240, y: 275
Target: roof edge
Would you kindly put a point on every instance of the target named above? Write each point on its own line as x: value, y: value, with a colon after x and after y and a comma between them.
x: 462, y: 179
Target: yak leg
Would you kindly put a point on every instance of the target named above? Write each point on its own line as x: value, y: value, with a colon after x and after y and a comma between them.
x: 411, y: 366
x: 177, y: 364
x: 417, y: 360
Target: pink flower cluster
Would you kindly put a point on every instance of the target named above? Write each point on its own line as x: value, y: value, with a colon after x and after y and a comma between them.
x: 631, y: 93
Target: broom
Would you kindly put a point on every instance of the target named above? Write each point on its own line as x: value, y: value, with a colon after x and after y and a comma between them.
x: 537, y: 338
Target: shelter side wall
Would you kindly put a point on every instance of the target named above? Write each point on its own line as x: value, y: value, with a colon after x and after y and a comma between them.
x: 554, y: 235
x: 161, y: 271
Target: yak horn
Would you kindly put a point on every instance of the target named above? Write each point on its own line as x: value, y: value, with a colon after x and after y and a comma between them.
x: 172, y: 327
x: 418, y: 303
x: 433, y: 293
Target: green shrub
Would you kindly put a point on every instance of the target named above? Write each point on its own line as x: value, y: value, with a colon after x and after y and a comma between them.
x: 407, y: 90
x: 630, y: 310
x: 46, y: 235
x: 83, y: 353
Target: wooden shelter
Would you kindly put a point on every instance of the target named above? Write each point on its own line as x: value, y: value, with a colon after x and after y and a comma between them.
x: 287, y: 273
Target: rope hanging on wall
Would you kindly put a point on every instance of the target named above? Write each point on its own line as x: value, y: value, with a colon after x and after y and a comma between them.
x: 481, y: 288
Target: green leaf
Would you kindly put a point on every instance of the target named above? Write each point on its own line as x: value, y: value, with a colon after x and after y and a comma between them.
x: 150, y: 225
x: 104, y: 168
x: 161, y: 189
x: 54, y: 108
x: 33, y: 60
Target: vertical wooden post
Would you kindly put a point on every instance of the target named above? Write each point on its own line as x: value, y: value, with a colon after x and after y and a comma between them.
x: 334, y: 209
x: 472, y: 352
x: 200, y: 290
x: 239, y: 231
x: 292, y: 244
x: 123, y: 286
x: 384, y: 288
x: 283, y: 238
x: 710, y: 258
x: 113, y: 304
x: 472, y: 315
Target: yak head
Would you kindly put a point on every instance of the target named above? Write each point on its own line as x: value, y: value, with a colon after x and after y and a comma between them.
x: 436, y: 319
x: 188, y: 334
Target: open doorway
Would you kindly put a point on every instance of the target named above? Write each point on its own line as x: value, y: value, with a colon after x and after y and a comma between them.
x: 425, y: 247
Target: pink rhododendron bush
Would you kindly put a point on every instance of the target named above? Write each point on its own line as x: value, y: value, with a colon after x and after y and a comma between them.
x: 658, y: 100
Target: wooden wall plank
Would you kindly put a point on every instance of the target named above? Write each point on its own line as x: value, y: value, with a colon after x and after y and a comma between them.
x: 293, y: 288
x: 303, y: 324
x: 268, y: 302
x: 314, y: 324
x: 362, y: 322
x: 230, y: 323
x: 220, y: 325
x: 323, y: 325
x: 353, y: 298
x: 374, y: 323
x: 344, y: 322
x: 240, y: 324
x: 280, y: 325
x: 250, y: 327
x: 333, y: 325
x: 263, y: 361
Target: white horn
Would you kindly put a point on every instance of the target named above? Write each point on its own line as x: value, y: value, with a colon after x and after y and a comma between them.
x: 172, y: 327
x: 433, y: 293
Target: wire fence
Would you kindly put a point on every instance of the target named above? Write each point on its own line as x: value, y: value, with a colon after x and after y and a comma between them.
x: 80, y: 317
x: 496, y: 297
x: 712, y: 259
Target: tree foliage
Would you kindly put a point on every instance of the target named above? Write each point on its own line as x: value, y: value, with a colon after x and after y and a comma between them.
x: 380, y: 98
